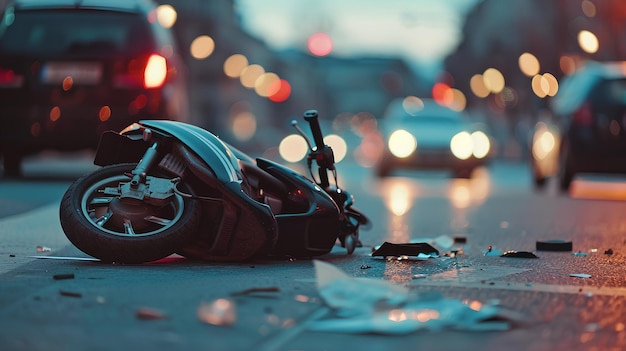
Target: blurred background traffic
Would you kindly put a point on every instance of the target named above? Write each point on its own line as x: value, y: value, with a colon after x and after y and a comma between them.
x: 250, y: 67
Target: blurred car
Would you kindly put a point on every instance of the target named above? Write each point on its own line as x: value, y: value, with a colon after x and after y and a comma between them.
x: 590, y: 137
x: 421, y: 134
x: 72, y: 69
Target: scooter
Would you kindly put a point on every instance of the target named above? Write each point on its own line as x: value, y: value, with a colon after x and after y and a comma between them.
x: 167, y: 187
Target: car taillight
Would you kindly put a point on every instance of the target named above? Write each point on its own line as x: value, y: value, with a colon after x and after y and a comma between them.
x: 147, y: 72
x: 583, y: 116
x: 10, y: 79
x: 155, y: 72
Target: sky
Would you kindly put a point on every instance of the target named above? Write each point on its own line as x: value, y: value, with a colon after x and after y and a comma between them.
x: 422, y: 32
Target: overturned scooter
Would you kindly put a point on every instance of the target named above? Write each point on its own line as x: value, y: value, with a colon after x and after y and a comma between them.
x: 168, y: 187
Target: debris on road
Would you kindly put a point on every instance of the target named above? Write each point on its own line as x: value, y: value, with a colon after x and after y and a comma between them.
x: 580, y: 275
x: 579, y: 254
x: 493, y: 252
x: 221, y: 312
x: 66, y: 258
x: 519, y: 254
x: 149, y: 313
x: 70, y: 293
x: 608, y: 252
x: 63, y: 276
x: 420, y: 250
x: 366, y: 305
x: 43, y: 249
x: 270, y: 289
x: 554, y: 245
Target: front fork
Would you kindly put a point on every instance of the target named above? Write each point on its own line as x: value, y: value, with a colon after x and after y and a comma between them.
x: 146, y: 162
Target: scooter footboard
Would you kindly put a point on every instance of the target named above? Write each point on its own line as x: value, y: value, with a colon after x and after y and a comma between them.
x: 313, y: 230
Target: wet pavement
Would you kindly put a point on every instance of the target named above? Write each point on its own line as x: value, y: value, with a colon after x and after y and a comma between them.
x: 276, y: 304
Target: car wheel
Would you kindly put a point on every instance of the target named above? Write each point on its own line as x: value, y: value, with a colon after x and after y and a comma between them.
x: 540, y: 182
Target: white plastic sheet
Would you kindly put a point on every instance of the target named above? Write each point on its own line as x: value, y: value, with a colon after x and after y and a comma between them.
x: 366, y: 305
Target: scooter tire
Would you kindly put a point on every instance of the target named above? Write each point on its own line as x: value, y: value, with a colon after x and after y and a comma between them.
x: 179, y: 221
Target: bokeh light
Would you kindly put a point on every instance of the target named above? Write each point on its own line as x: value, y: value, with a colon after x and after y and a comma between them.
x: 412, y: 105
x: 250, y: 74
x: 244, y: 126
x: 529, y: 64
x: 202, y: 47
x: 283, y: 91
x: 458, y: 100
x: 234, y: 65
x: 320, y: 44
x: 442, y: 93
x: 461, y: 145
x: 494, y: 80
x: 402, y: 143
x: 293, y: 148
x: 588, y: 42
x: 477, y: 84
x: 589, y: 8
x: 545, y: 85
x: 166, y: 15
x: 265, y: 85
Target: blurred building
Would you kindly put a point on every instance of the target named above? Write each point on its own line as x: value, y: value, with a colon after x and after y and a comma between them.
x: 496, y: 33
x: 331, y: 85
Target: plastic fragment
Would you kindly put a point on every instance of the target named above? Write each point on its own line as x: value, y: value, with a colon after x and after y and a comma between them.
x: 66, y: 258
x: 148, y: 313
x: 554, y: 245
x: 519, y: 254
x: 608, y: 252
x: 408, y: 249
x: 256, y: 290
x: 580, y: 275
x: 63, y: 276
x: 365, y: 266
x: 492, y: 252
x: 43, y: 249
x: 366, y: 305
x: 221, y: 312
x: 579, y: 254
x: 70, y: 293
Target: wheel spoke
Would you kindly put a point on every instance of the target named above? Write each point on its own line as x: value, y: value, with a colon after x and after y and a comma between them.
x: 100, y: 201
x: 104, y: 219
x: 158, y: 220
x: 128, y: 227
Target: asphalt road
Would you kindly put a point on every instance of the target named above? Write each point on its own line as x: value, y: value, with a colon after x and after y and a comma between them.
x: 275, y: 304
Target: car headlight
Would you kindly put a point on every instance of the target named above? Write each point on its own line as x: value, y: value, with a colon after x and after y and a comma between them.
x: 481, y: 144
x: 402, y: 143
x: 461, y: 145
x: 543, y: 143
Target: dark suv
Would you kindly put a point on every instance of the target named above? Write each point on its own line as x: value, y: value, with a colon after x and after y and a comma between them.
x: 72, y: 69
x: 590, y: 109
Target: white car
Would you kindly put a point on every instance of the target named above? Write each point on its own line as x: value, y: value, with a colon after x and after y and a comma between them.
x: 421, y: 134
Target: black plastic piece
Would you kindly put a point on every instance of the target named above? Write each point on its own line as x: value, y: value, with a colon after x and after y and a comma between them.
x: 554, y: 245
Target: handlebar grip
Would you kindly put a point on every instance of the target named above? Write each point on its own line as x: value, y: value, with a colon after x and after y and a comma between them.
x: 311, y: 116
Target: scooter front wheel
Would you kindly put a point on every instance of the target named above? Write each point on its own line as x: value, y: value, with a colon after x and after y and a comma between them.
x: 98, y: 223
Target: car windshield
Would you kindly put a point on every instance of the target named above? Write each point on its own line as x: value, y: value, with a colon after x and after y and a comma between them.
x: 74, y: 33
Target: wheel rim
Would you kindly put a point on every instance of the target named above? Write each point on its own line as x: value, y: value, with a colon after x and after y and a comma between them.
x: 100, y: 211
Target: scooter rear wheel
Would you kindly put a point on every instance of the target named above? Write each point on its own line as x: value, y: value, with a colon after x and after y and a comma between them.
x: 101, y: 225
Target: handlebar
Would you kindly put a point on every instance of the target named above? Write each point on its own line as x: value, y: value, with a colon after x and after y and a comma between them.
x: 311, y: 116
x: 321, y: 153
